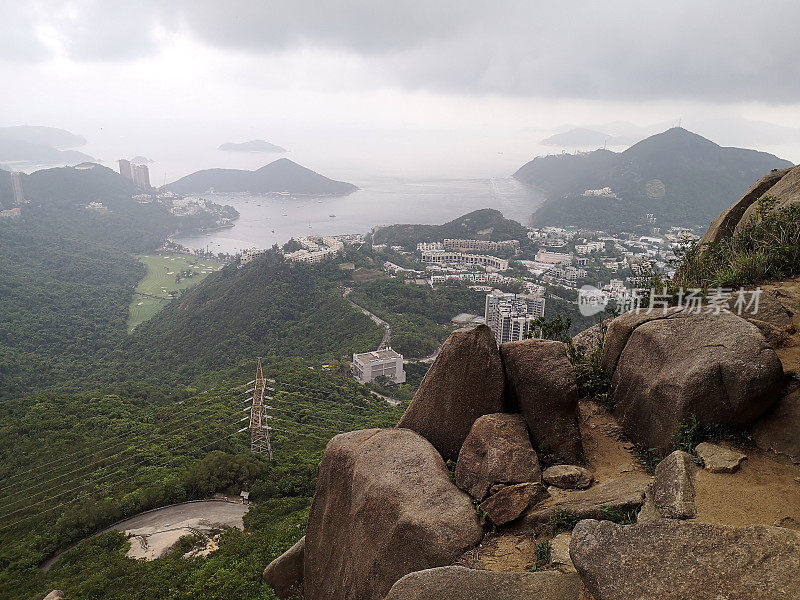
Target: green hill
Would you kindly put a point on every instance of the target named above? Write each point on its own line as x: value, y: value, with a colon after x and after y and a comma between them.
x: 678, y: 176
x: 482, y: 224
x: 269, y: 308
x: 282, y: 175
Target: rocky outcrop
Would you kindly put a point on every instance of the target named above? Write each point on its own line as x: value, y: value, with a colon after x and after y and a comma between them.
x: 511, y: 501
x: 465, y: 382
x: 384, y: 506
x: 55, y: 595
x: 285, y: 573
x: 673, y: 486
x: 497, y: 450
x: 718, y: 368
x: 675, y: 560
x: 542, y: 383
x: 458, y: 583
x: 779, y: 431
x: 786, y: 192
x: 568, y: 477
x: 624, y: 494
x: 725, y: 224
x: 718, y: 459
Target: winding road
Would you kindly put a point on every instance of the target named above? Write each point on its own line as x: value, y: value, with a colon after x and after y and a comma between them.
x: 387, y: 334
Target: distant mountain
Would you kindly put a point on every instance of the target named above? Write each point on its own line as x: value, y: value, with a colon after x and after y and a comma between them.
x: 678, y: 176
x: 283, y: 175
x: 483, y: 224
x: 251, y: 146
x: 44, y: 136
x: 17, y: 151
x: 582, y: 137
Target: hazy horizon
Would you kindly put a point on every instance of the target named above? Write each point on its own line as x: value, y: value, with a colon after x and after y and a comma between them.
x: 451, y: 90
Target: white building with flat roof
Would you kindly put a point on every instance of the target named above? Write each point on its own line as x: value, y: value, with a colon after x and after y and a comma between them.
x: 368, y: 366
x: 460, y: 258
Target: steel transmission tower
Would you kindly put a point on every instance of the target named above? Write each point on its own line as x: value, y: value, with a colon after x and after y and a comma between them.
x: 259, y: 419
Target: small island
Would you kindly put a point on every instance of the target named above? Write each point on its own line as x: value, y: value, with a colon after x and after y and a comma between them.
x: 252, y: 146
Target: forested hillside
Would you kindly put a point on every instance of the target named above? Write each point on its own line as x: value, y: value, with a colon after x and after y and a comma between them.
x: 269, y: 308
x: 483, y: 224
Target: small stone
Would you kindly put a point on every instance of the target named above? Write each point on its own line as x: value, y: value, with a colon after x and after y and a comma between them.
x: 673, y: 487
x: 718, y: 459
x: 508, y: 504
x: 559, y: 553
x: 55, y: 595
x: 568, y: 477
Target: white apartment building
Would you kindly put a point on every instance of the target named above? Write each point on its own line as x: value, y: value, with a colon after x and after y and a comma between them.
x: 251, y: 255
x: 509, y: 315
x: 315, y: 249
x: 481, y: 245
x: 368, y: 366
x: 429, y: 246
x: 460, y: 258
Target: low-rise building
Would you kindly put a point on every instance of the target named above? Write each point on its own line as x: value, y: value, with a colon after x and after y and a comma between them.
x: 481, y: 245
x: 368, y: 366
x: 553, y: 258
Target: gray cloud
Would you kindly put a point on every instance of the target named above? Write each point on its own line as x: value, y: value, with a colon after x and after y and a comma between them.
x: 622, y: 49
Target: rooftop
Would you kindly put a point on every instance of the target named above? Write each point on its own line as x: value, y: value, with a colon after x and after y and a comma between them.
x: 378, y: 355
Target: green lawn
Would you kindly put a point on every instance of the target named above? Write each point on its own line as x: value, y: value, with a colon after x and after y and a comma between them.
x: 167, y: 274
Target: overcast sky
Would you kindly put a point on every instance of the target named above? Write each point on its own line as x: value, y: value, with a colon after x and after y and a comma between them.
x: 439, y: 87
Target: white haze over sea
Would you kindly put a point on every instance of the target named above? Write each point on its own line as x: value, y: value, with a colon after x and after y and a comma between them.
x: 268, y: 220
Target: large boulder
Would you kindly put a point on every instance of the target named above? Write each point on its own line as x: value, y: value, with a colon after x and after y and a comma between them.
x: 55, y: 595
x: 458, y: 583
x: 622, y: 494
x: 725, y: 224
x: 785, y: 192
x: 673, y: 486
x: 779, y: 431
x: 384, y: 506
x: 677, y: 560
x: 465, y: 382
x: 719, y: 459
x: 542, y: 383
x: 718, y: 368
x: 497, y: 450
x: 285, y: 573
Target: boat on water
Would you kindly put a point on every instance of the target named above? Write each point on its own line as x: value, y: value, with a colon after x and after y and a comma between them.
x: 331, y: 216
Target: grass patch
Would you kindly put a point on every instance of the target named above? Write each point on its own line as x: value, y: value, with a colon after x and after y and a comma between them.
x: 167, y: 276
x: 542, y: 555
x: 767, y: 247
x: 617, y: 515
x: 563, y: 520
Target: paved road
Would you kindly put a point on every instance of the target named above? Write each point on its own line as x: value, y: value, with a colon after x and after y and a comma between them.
x: 387, y: 334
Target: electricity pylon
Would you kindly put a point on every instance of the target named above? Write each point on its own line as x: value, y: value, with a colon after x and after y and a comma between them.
x: 259, y: 419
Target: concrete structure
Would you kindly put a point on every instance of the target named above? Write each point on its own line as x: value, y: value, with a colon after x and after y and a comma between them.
x: 460, y: 258
x: 125, y: 169
x: 553, y: 258
x: 481, y: 245
x: 16, y: 188
x: 368, y: 366
x: 509, y: 315
x: 251, y: 255
x: 429, y: 246
x: 141, y: 176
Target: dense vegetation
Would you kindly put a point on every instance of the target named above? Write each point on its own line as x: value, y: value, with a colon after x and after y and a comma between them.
x: 75, y: 463
x: 419, y: 315
x: 483, y: 224
x: 678, y: 176
x: 270, y: 308
x: 766, y: 247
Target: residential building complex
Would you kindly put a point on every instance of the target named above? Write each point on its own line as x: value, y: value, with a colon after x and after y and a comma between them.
x: 509, y: 315
x: 481, y: 245
x: 368, y: 366
x: 315, y: 249
x: 441, y: 257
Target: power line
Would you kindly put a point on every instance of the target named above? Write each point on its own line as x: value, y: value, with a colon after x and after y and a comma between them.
x: 90, y: 493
